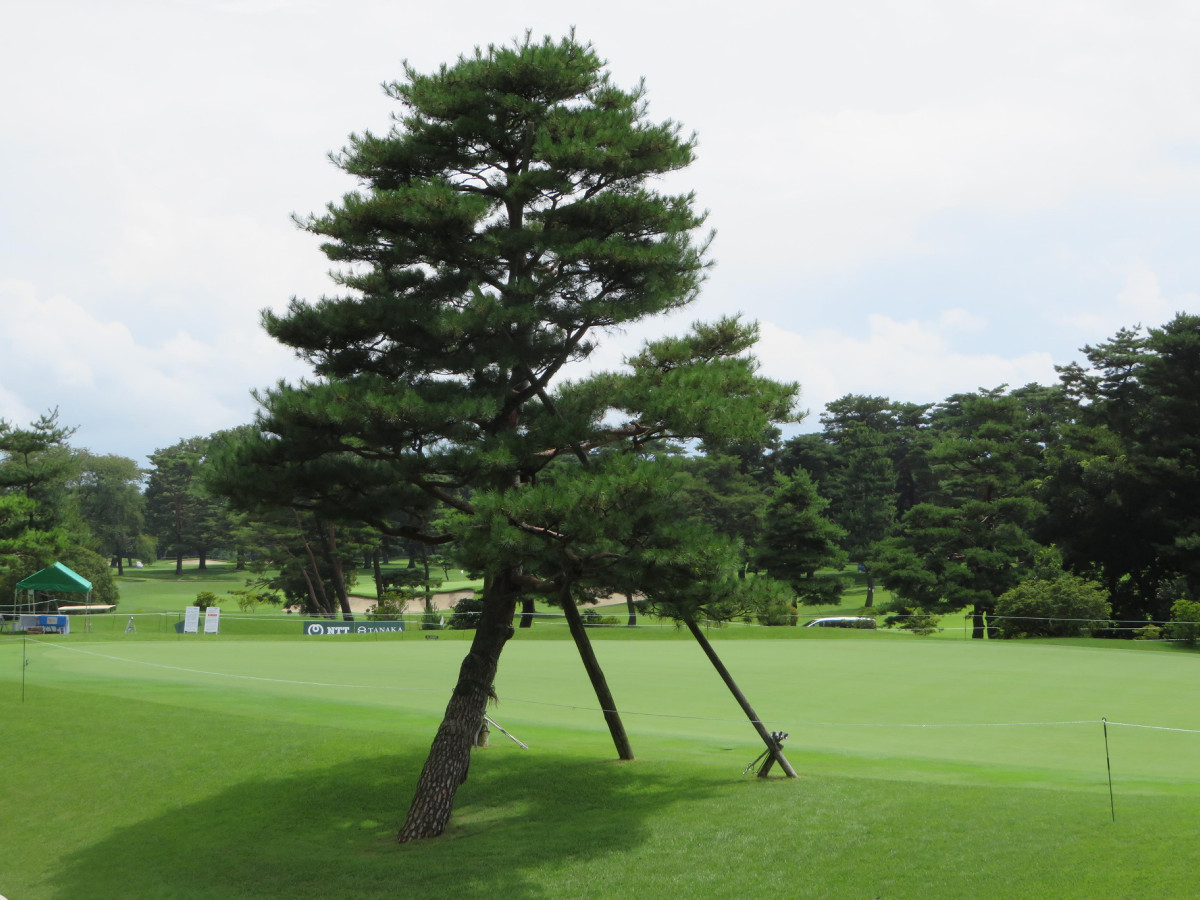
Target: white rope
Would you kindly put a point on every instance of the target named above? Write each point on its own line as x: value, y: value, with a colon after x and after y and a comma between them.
x: 1155, y: 727
x: 141, y: 662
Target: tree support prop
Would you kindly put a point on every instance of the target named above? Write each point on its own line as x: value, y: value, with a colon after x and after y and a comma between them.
x: 773, y: 746
x: 599, y: 684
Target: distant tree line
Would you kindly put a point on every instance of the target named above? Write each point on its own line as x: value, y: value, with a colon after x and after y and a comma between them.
x: 1091, y: 484
x: 61, y: 504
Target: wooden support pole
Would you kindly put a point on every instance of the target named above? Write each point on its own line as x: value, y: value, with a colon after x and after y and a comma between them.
x: 772, y: 745
x: 616, y: 728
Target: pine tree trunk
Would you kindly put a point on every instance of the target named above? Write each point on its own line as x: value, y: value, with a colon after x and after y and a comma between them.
x: 527, y: 610
x: 315, y: 581
x: 870, y: 590
x: 450, y: 755
x: 977, y: 623
x: 993, y: 624
x: 599, y: 684
x: 632, y: 609
x: 330, y: 548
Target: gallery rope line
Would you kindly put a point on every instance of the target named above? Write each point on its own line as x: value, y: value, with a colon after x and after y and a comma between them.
x: 1156, y: 727
x: 808, y: 724
x: 594, y: 709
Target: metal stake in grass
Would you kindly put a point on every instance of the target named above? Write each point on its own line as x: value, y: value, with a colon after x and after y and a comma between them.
x: 24, y: 663
x: 1108, y: 763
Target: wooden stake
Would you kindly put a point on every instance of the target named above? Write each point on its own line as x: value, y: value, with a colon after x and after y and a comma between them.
x: 772, y: 745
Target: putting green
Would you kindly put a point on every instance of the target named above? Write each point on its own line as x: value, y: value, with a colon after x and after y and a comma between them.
x: 956, y: 712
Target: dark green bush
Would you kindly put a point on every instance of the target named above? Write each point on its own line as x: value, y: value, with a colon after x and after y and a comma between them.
x: 1064, y: 605
x: 466, y: 614
x: 1185, y: 620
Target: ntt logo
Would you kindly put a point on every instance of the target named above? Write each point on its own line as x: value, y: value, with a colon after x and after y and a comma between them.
x: 314, y: 628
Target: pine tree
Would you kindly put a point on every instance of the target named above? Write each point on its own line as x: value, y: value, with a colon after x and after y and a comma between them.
x: 503, y: 224
x: 963, y: 547
x: 799, y: 538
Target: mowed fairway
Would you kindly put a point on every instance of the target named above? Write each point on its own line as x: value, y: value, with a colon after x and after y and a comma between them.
x: 205, y: 767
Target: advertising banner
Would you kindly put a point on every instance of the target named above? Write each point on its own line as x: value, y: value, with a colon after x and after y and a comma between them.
x: 320, y: 629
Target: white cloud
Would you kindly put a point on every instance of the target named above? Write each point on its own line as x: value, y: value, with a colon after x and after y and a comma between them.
x: 1139, y: 301
x: 105, y: 382
x: 1142, y: 298
x: 959, y: 319
x: 911, y: 361
x: 151, y: 154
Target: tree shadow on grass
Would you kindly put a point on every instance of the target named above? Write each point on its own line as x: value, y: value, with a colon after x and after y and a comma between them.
x: 331, y: 833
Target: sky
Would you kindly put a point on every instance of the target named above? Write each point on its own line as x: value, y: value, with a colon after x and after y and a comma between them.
x: 913, y: 198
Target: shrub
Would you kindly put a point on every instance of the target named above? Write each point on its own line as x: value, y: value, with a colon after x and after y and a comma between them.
x: 1185, y: 620
x: 592, y: 617
x: 1052, y: 605
x: 466, y: 614
x: 205, y: 599
x: 915, y: 620
x: 776, y: 603
x: 247, y: 599
x: 388, y: 608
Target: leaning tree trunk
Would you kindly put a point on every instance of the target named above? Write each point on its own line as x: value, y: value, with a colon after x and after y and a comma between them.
x: 330, y: 551
x: 773, y: 747
x: 378, y: 573
x: 450, y: 755
x: 632, y: 609
x: 608, y: 705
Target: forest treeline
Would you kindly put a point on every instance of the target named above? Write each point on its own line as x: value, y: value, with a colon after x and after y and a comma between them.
x: 1078, y: 500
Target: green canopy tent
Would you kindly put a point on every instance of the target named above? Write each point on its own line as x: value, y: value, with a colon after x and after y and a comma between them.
x: 53, y: 579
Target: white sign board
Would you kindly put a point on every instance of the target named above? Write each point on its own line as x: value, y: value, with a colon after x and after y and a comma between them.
x: 212, y: 620
x: 191, y: 620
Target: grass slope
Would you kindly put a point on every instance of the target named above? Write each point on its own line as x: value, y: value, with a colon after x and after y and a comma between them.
x: 197, y: 768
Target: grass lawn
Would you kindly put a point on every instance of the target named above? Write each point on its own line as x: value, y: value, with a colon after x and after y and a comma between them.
x: 156, y: 588
x: 201, y: 766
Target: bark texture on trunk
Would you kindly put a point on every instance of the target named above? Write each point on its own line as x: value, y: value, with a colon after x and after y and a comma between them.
x: 527, y: 610
x: 599, y: 683
x: 772, y: 745
x: 450, y: 755
x: 632, y: 609
x: 329, y: 545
